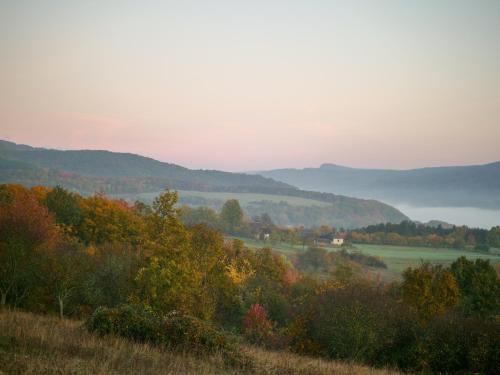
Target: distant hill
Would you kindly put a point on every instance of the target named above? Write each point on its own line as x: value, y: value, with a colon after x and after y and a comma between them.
x: 108, y: 166
x: 124, y: 174
x: 463, y: 186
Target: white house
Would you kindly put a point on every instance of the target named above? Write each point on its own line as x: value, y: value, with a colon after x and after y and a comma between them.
x: 338, y: 241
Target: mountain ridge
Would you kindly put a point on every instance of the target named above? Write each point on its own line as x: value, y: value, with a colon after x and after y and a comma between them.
x: 89, y: 171
x: 455, y: 186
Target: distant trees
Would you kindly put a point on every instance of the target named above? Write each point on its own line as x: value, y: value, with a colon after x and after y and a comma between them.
x: 409, y: 233
x: 494, y: 237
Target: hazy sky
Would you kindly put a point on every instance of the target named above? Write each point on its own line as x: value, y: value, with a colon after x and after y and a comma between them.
x: 243, y: 85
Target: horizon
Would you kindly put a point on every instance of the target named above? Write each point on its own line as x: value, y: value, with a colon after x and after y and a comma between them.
x: 250, y: 86
x: 251, y: 171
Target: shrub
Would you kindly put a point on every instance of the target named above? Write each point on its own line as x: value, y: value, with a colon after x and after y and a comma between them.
x: 174, y: 330
x: 367, y: 260
x: 348, y: 323
x: 130, y: 321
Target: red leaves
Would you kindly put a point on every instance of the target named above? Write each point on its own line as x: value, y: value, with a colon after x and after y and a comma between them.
x: 257, y: 326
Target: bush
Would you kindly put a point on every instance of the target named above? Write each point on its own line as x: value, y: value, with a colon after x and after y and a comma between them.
x: 130, y: 321
x: 356, y: 323
x: 174, y: 330
x: 367, y: 260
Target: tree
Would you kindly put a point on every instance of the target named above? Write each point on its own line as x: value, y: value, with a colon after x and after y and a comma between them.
x: 430, y: 290
x: 494, y: 237
x: 170, y: 280
x: 63, y: 271
x: 25, y: 229
x: 257, y: 327
x: 232, y: 215
x: 111, y: 276
x: 65, y: 206
x: 211, y: 264
x: 199, y: 215
x: 105, y: 220
x: 479, y: 286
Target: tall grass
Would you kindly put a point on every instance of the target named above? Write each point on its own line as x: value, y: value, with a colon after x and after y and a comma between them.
x: 34, y: 344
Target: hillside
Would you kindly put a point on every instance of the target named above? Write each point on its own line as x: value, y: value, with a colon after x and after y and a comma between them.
x: 114, y: 166
x: 34, y: 344
x: 134, y: 176
x: 462, y: 186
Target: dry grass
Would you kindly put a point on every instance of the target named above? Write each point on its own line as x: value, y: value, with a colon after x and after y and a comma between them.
x: 33, y: 344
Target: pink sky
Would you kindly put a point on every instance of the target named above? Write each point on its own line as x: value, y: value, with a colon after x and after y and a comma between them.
x: 240, y: 86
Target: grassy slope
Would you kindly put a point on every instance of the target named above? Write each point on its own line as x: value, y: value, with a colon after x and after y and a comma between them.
x: 397, y: 258
x: 34, y: 344
x: 243, y: 198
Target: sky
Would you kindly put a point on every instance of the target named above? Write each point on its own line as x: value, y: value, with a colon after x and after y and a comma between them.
x: 252, y: 85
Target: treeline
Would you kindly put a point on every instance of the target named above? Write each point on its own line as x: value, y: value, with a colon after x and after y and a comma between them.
x: 413, y: 234
x: 232, y: 220
x: 137, y: 271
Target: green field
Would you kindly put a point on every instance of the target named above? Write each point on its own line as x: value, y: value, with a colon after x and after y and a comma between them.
x: 397, y: 258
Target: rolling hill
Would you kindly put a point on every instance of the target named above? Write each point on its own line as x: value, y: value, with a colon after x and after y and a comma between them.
x: 462, y: 186
x: 133, y: 176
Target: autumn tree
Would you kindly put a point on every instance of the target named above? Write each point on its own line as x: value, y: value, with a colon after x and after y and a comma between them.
x: 430, y: 290
x: 170, y: 280
x: 105, y: 220
x: 26, y: 228
x: 256, y: 325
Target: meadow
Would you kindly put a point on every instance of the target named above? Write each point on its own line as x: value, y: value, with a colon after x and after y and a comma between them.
x: 397, y: 258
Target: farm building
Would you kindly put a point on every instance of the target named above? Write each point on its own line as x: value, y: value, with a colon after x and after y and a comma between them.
x: 328, y: 239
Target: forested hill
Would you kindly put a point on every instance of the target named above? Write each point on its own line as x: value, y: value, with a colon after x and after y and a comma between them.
x: 475, y: 186
x: 109, y: 165
x: 89, y: 171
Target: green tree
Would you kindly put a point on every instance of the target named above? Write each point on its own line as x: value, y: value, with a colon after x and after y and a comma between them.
x: 63, y: 269
x: 170, y: 280
x: 232, y: 215
x: 494, y: 237
x: 479, y: 286
x: 65, y: 206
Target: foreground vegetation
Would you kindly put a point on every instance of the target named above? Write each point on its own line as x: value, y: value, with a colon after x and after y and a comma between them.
x: 35, y: 344
x: 136, y: 271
